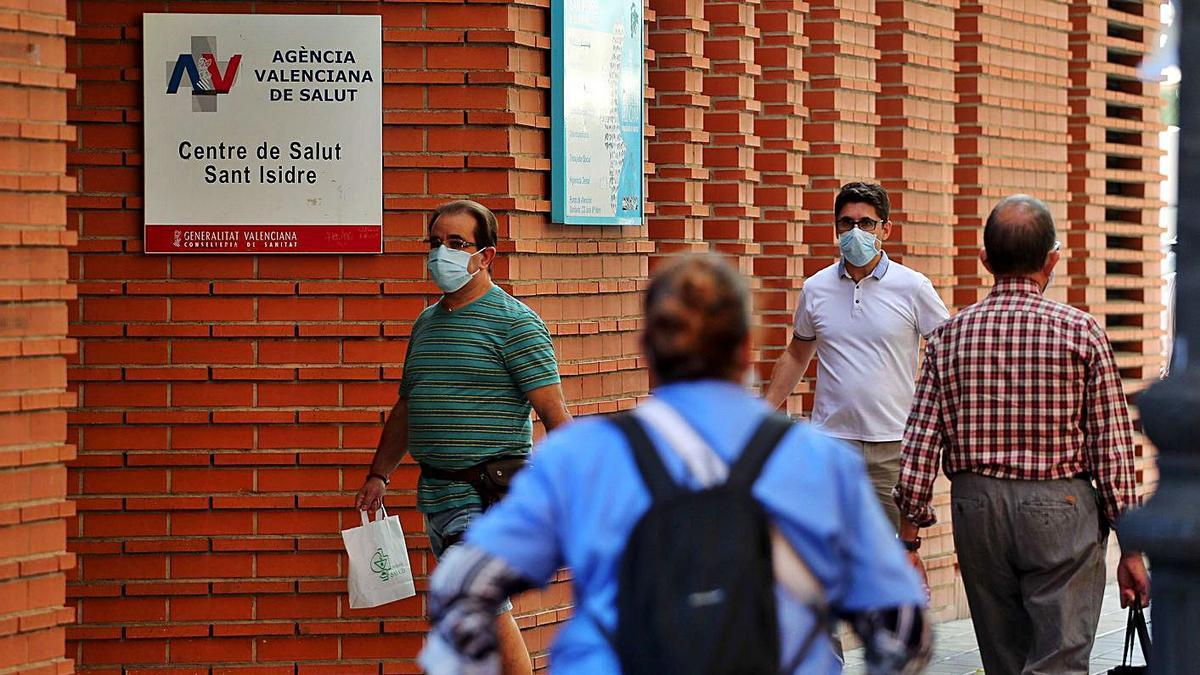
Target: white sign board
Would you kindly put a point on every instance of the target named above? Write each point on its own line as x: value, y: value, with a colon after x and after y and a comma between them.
x: 263, y: 133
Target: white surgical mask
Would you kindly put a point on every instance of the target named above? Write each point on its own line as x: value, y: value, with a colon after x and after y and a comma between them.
x: 857, y: 247
x: 448, y: 268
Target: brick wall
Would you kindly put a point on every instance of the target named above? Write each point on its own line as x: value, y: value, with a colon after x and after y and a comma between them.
x: 1114, y: 181
x: 916, y: 137
x: 229, y: 405
x: 778, y: 267
x: 33, y: 344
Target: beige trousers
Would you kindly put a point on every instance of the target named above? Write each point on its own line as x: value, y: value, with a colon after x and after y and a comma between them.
x: 883, y: 469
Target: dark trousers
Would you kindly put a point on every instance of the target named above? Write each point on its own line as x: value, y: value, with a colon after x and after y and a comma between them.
x: 1032, y: 560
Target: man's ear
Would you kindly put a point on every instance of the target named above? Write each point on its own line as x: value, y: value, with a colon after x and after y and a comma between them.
x: 983, y: 259
x: 885, y: 230
x: 487, y: 256
x: 1052, y: 259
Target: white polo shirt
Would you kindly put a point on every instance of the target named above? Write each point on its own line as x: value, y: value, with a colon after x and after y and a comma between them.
x: 868, y: 334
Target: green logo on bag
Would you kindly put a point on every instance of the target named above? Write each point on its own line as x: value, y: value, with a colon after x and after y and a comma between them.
x: 381, y: 565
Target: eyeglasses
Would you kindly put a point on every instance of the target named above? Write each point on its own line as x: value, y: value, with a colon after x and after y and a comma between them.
x: 844, y: 225
x: 453, y: 243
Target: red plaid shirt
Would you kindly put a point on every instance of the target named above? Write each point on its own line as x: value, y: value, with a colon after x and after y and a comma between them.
x: 1018, y: 387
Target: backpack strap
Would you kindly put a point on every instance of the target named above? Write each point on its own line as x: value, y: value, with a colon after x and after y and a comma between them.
x: 705, y: 465
x: 649, y: 464
x: 754, y: 456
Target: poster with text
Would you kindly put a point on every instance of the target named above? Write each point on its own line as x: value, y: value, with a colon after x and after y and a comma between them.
x: 263, y: 133
x: 597, y: 112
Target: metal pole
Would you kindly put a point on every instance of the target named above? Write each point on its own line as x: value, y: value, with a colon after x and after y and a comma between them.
x: 1167, y: 528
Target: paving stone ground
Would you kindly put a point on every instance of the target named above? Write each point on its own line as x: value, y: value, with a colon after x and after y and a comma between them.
x: 956, y: 652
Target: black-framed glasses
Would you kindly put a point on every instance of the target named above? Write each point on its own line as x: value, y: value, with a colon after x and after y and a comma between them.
x: 453, y: 243
x: 844, y: 225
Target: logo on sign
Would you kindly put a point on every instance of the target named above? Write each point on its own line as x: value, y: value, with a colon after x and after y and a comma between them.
x: 206, y: 76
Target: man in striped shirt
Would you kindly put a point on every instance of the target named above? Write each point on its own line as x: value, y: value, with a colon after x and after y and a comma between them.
x: 1020, y: 401
x: 478, y: 360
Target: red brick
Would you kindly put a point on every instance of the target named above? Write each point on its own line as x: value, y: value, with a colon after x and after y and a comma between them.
x: 210, y: 608
x: 212, y: 394
x: 124, y: 481
x: 211, y: 566
x: 298, y: 648
x: 212, y: 480
x: 123, y: 524
x: 116, y: 652
x: 298, y: 309
x: 204, y: 438
x: 124, y: 352
x: 212, y: 309
x: 212, y: 650
x: 211, y: 352
x: 298, y: 480
x: 114, y: 610
x: 381, y: 309
x: 124, y: 309
x: 295, y: 351
x: 298, y: 267
x: 212, y: 267
x: 210, y: 523
x: 297, y: 394
x: 386, y: 351
x: 106, y: 394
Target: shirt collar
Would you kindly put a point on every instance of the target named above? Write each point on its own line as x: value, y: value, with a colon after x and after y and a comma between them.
x: 880, y: 269
x: 1009, y: 285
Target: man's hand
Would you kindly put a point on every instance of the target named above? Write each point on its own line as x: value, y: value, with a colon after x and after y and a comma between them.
x: 1133, y: 579
x: 914, y: 559
x: 370, y: 495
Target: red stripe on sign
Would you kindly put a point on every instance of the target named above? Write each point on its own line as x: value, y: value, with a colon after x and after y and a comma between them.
x: 264, y: 239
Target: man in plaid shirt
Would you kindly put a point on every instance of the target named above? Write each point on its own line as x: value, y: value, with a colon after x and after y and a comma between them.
x: 1020, y: 401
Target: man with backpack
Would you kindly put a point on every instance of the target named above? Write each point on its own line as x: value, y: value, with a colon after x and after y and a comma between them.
x: 704, y: 533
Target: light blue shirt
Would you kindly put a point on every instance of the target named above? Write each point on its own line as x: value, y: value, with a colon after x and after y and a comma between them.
x: 582, y: 495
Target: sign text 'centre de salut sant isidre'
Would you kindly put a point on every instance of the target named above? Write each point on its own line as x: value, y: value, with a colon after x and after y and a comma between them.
x: 263, y: 134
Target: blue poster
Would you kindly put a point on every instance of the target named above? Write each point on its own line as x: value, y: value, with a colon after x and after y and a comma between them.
x: 597, y: 108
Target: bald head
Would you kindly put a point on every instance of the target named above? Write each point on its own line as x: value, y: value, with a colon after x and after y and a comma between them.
x: 1018, y: 236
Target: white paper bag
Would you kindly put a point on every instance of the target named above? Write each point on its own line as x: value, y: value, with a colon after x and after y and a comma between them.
x: 379, y: 571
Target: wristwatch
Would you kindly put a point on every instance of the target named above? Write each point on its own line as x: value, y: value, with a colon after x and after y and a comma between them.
x: 913, y: 545
x: 379, y: 476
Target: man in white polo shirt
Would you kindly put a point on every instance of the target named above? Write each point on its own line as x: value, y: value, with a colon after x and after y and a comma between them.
x: 863, y: 317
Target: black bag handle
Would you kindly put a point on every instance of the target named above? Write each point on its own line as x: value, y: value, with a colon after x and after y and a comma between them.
x: 1136, y: 625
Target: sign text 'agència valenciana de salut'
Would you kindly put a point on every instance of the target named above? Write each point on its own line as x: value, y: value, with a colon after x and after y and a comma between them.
x: 263, y: 134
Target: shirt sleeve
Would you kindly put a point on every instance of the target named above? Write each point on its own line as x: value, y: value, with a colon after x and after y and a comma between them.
x: 931, y: 311
x: 521, y: 529
x: 922, y: 446
x: 529, y: 354
x: 1107, y: 429
x: 802, y: 325
x: 879, y: 575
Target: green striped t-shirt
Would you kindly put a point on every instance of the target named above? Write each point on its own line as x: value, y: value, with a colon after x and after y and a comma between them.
x: 465, y: 377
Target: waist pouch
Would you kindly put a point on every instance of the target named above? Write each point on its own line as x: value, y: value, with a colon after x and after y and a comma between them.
x: 490, y: 479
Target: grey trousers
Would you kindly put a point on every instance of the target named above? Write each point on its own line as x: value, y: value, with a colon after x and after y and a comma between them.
x: 1032, y: 560
x: 883, y: 469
